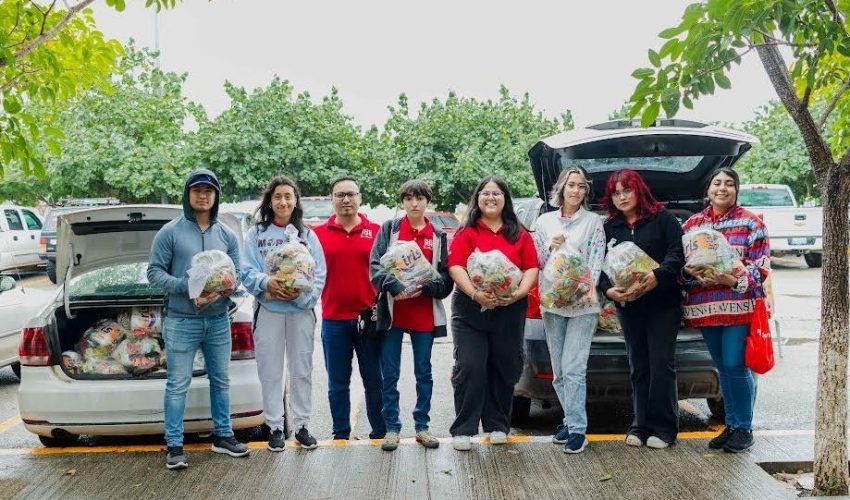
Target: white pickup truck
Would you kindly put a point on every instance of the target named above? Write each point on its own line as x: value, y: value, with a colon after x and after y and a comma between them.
x: 793, y: 230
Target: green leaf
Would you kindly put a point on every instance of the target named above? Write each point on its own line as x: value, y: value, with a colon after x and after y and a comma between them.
x: 668, y: 47
x: 11, y: 104
x: 671, y: 32
x: 654, y: 58
x: 650, y: 114
x: 687, y: 102
x: 722, y: 81
x: 643, y: 73
x: 670, y: 101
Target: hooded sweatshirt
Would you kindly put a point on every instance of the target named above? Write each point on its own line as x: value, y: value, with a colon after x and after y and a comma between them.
x: 180, y: 240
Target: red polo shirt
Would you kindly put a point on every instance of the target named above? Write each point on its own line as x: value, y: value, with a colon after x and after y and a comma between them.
x: 347, y: 287
x: 417, y: 314
x: 522, y: 252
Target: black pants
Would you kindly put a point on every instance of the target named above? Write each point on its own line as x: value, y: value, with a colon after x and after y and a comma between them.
x: 488, y: 363
x: 650, y: 334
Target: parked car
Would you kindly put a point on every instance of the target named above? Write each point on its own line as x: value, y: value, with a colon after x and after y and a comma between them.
x: 675, y: 158
x: 17, y: 305
x: 47, y: 241
x: 793, y: 230
x: 446, y: 221
x: 20, y: 229
x: 101, y: 264
x: 317, y: 209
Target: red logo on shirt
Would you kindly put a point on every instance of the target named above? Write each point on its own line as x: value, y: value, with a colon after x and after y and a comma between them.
x: 429, y: 244
x: 366, y: 233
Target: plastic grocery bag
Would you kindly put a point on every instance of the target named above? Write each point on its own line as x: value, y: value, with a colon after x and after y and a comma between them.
x: 566, y: 280
x: 493, y: 272
x: 758, y: 350
x: 138, y: 356
x: 142, y: 322
x: 100, y: 339
x: 291, y: 263
x: 72, y: 361
x: 626, y: 264
x: 406, y: 263
x: 103, y: 366
x: 608, y: 320
x: 211, y: 276
x: 709, y: 252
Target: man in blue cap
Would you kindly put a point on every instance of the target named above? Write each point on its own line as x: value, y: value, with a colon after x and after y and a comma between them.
x: 185, y: 329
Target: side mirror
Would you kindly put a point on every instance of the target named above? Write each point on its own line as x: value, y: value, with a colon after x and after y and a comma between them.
x: 6, y: 283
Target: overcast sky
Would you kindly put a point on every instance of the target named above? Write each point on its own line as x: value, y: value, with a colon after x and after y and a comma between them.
x: 574, y: 55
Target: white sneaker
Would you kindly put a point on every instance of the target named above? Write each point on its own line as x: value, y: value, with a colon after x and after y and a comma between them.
x: 498, y: 437
x: 657, y: 443
x: 632, y: 440
x: 462, y: 443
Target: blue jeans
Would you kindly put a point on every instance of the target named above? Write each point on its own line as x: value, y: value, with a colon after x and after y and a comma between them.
x: 339, y: 341
x: 391, y: 368
x: 726, y: 345
x: 569, y: 347
x: 183, y: 337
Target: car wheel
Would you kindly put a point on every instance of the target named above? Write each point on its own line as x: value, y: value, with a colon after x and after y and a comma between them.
x: 16, y: 368
x: 59, y: 440
x: 718, y: 410
x: 520, y: 410
x: 51, y: 271
x: 813, y: 259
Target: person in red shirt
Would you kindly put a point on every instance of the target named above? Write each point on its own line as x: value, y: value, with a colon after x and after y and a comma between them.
x: 347, y: 239
x: 488, y: 329
x: 414, y: 307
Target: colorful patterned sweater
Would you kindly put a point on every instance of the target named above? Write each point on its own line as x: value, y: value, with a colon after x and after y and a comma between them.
x: 721, y: 305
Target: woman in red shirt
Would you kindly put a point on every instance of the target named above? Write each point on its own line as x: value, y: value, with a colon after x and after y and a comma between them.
x: 419, y: 311
x: 488, y: 342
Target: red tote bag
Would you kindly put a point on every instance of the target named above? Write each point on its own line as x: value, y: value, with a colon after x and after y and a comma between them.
x: 758, y: 353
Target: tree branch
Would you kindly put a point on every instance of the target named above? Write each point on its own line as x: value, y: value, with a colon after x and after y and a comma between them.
x: 807, y: 93
x: 834, y: 102
x: 17, y: 20
x: 9, y: 84
x: 836, y: 16
x: 724, y: 63
x: 33, y: 44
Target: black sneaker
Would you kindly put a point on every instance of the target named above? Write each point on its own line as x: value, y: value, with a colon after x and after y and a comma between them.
x: 276, y: 441
x: 304, y: 438
x: 720, y: 440
x: 740, y: 440
x: 376, y: 435
x: 561, y: 435
x: 229, y: 446
x: 175, y: 458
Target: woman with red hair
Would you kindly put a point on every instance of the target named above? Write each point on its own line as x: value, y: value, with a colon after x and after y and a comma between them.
x: 650, y: 312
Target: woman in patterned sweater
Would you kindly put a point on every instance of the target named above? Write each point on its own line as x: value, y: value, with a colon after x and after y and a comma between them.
x: 721, y: 306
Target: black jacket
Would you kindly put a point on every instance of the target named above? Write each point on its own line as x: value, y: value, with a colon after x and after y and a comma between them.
x: 660, y: 236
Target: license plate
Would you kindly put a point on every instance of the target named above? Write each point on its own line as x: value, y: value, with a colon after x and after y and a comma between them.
x: 799, y: 241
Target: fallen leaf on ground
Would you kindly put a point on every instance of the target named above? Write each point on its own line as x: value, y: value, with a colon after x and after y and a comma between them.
x: 605, y: 477
x: 70, y: 472
x: 447, y: 472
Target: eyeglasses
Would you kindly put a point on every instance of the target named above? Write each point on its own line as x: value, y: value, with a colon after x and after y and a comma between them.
x: 344, y: 195
x: 622, y: 194
x: 490, y: 194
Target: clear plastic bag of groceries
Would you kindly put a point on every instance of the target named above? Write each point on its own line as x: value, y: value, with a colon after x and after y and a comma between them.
x: 291, y: 263
x: 140, y: 322
x: 139, y: 355
x: 626, y: 264
x: 406, y: 263
x: 566, y: 280
x: 609, y: 322
x: 493, y: 272
x: 103, y: 366
x: 100, y: 339
x: 709, y: 253
x: 212, y: 275
x: 72, y: 361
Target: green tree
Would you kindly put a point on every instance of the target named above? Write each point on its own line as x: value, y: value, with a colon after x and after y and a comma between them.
x: 453, y: 143
x: 48, y: 55
x: 621, y: 113
x: 274, y: 131
x: 694, y: 60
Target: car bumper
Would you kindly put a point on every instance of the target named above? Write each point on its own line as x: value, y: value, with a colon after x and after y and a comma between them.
x: 49, y: 400
x: 795, y: 244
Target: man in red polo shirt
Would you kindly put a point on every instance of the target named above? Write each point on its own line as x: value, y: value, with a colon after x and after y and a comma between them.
x: 347, y: 239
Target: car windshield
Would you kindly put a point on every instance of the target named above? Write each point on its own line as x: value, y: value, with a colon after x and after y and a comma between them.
x: 317, y: 209
x: 444, y: 221
x: 52, y: 217
x: 659, y: 163
x: 766, y: 197
x: 122, y: 280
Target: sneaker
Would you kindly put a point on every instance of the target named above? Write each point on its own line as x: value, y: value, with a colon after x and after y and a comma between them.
x: 740, y: 440
x: 175, y: 458
x: 427, y: 440
x: 462, y: 443
x: 276, y: 441
x: 575, y: 444
x: 562, y: 433
x: 498, y: 437
x: 229, y: 446
x: 390, y: 441
x: 720, y: 440
x: 307, y: 441
x: 656, y: 443
x: 633, y: 440
x: 345, y: 437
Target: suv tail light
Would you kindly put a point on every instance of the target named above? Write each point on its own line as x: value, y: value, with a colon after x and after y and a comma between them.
x: 42, y: 244
x: 241, y: 340
x: 33, y: 350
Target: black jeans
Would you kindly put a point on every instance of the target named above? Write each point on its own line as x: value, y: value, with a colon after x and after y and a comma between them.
x: 650, y: 334
x: 488, y: 363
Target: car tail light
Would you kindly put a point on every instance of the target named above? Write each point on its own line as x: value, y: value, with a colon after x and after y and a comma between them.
x: 42, y: 244
x: 33, y: 350
x: 241, y: 340
x: 544, y: 376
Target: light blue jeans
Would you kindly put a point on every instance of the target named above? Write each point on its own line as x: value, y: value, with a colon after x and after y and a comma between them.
x: 183, y: 337
x: 726, y: 345
x: 569, y: 347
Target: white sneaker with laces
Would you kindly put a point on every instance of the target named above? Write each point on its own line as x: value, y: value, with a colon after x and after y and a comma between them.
x: 498, y: 437
x: 657, y: 443
x: 632, y: 440
x: 462, y: 443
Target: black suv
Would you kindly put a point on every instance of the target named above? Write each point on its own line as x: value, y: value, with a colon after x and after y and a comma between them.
x: 674, y: 157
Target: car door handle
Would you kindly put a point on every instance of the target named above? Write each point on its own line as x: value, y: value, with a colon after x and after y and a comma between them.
x: 15, y: 238
x: 32, y: 236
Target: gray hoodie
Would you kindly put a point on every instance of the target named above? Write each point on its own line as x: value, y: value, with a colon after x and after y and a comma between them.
x: 180, y: 240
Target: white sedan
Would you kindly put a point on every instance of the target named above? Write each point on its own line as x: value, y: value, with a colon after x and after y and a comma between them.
x: 17, y: 305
